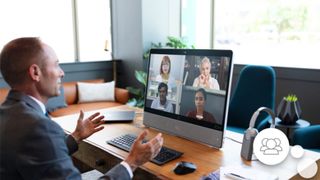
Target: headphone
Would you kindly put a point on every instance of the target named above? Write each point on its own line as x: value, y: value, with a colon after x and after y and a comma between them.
x: 251, y: 133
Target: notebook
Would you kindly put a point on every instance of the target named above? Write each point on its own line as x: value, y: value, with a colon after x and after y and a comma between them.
x: 119, y: 116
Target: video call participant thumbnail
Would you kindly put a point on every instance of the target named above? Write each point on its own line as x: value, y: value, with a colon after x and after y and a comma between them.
x: 161, y: 103
x: 204, y: 80
x: 164, y: 76
x: 199, y: 113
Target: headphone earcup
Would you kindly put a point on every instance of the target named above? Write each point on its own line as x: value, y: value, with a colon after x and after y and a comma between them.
x: 251, y: 133
x: 247, y: 143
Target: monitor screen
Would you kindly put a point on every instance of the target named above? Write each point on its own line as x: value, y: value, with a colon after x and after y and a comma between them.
x: 187, y: 93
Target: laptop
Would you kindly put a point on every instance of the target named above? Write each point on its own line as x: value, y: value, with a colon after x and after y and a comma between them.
x: 119, y: 116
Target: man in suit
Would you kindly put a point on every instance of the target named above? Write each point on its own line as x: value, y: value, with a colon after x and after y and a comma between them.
x: 32, y: 146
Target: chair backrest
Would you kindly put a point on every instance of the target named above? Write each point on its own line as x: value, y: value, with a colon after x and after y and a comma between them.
x: 255, y: 88
x: 307, y: 137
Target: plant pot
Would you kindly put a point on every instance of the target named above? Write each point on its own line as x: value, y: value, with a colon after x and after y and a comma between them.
x: 289, y: 112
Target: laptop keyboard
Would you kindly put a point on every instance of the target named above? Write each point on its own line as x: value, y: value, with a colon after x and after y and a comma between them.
x: 125, y: 142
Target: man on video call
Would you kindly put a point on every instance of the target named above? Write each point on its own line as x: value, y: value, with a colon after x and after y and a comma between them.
x: 162, y: 103
x: 32, y: 146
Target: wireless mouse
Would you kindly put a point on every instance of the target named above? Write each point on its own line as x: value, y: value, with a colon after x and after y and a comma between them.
x: 184, y: 168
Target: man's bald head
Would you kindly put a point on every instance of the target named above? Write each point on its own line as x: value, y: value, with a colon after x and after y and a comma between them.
x: 17, y: 56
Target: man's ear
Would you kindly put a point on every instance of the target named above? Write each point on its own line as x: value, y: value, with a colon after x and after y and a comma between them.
x: 34, y: 72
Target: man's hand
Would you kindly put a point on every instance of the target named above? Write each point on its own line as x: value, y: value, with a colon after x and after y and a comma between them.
x: 142, y: 153
x: 86, y: 127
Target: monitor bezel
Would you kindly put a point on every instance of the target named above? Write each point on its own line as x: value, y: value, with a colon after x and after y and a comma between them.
x: 204, y: 128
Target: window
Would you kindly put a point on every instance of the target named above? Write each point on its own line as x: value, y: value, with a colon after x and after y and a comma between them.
x: 76, y: 34
x: 94, y: 24
x: 196, y: 22
x: 267, y: 32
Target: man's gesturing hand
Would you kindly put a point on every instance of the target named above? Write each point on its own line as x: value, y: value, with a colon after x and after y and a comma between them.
x: 86, y: 127
x: 141, y: 153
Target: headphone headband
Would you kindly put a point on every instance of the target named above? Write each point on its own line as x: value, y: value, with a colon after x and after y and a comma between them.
x: 256, y: 114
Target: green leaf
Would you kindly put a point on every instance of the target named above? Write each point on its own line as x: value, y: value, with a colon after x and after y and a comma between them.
x: 177, y: 43
x: 132, y: 102
x: 141, y: 76
x: 154, y: 45
x: 134, y: 91
x: 146, y: 54
x: 291, y: 98
x: 140, y: 103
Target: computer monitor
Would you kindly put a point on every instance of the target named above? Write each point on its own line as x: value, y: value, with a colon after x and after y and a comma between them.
x: 187, y: 93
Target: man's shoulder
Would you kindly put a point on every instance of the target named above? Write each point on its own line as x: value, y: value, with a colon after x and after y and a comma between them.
x: 169, y: 103
x: 155, y: 101
x: 20, y: 114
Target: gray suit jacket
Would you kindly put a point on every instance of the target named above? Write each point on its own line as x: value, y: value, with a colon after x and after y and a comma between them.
x: 32, y: 146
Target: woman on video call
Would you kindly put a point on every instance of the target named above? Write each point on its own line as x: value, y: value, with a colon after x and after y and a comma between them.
x: 204, y: 80
x: 199, y: 113
x: 164, y: 75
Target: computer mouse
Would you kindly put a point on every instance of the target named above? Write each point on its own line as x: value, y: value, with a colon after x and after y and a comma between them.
x: 184, y: 168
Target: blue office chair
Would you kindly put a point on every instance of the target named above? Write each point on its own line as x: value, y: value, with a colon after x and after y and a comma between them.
x: 307, y: 137
x: 255, y: 88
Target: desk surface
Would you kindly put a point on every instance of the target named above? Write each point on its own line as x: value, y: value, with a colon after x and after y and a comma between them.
x: 207, y: 159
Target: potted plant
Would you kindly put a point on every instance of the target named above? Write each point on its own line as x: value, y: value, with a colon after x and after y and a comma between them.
x: 289, y: 110
x: 138, y: 94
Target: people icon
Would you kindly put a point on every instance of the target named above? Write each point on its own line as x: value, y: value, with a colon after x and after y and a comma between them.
x: 204, y: 80
x: 161, y: 103
x: 199, y: 113
x: 164, y: 76
x: 271, y: 146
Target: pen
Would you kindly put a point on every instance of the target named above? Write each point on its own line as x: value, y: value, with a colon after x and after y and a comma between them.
x: 236, y: 176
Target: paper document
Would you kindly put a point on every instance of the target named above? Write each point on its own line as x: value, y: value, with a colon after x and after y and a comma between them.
x: 244, y: 173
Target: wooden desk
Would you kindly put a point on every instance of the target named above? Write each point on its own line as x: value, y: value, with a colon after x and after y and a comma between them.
x: 207, y: 159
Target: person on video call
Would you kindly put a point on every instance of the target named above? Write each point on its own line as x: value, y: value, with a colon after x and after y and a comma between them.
x: 162, y: 103
x: 204, y: 80
x: 32, y: 145
x: 200, y: 102
x: 164, y: 76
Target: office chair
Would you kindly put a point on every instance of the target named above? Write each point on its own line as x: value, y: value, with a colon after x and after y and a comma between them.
x: 307, y: 137
x: 255, y: 88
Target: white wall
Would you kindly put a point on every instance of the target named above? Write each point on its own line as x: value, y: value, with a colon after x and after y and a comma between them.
x: 127, y: 38
x: 160, y: 18
x: 137, y: 23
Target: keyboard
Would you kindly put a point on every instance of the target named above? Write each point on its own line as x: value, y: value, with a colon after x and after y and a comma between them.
x: 125, y: 142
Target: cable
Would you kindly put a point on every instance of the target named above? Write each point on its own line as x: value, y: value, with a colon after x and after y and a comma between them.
x: 239, y: 143
x: 233, y: 140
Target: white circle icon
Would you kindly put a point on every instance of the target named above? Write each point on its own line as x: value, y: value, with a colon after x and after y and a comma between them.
x: 297, y: 151
x: 271, y: 146
x: 307, y: 168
